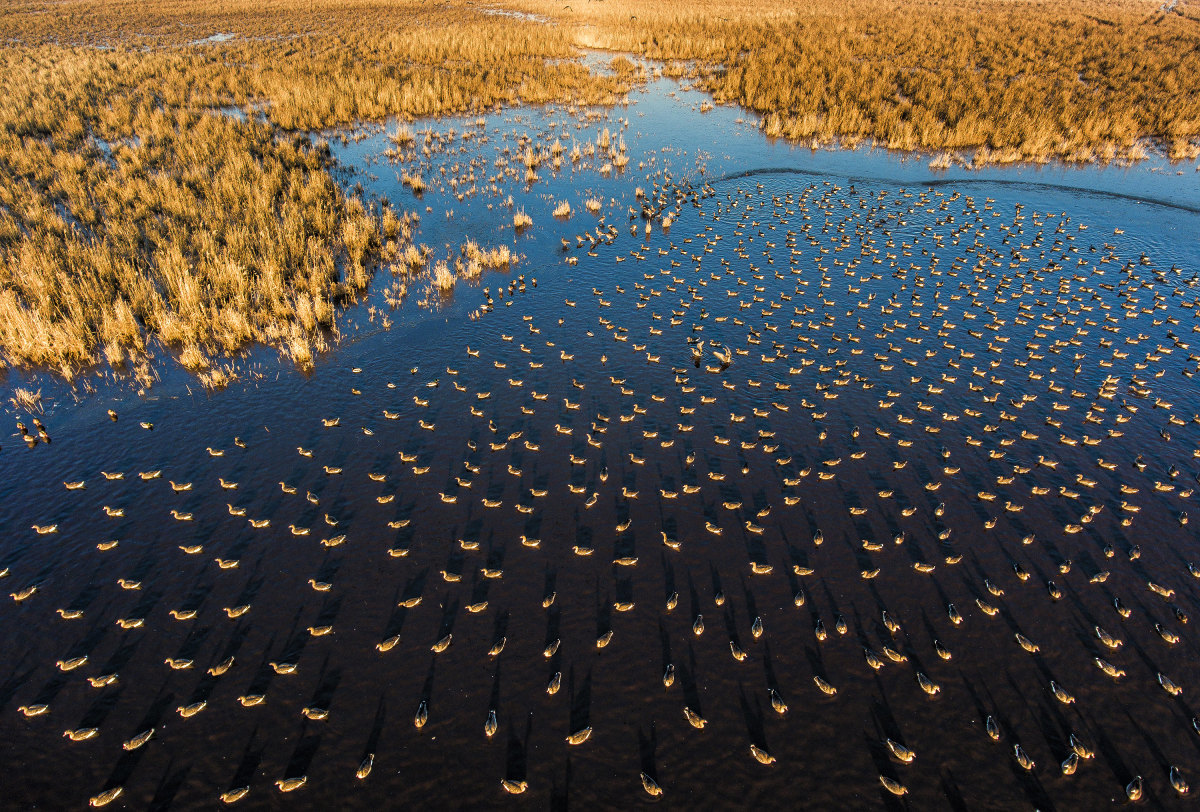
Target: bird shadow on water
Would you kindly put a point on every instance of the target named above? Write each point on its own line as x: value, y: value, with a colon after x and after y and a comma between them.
x: 145, y: 604
x: 449, y: 615
x: 881, y: 709
x: 753, y: 716
x: 192, y: 642
x: 954, y: 796
x: 330, y: 608
x: 517, y: 761
x: 155, y: 713
x: 168, y: 787
x: 248, y: 593
x: 1107, y: 749
x: 553, y: 622
x: 326, y: 686
x: 533, y: 525
x: 50, y: 690
x: 251, y: 757
x: 85, y: 598
x: 15, y: 680
x: 716, y: 581
x: 668, y: 570
x: 302, y: 756
x: 262, y: 678
x: 329, y: 568
x: 494, y: 699
x: 203, y: 690
x: 647, y: 751
x: 501, y: 627
x: 694, y: 596
x: 731, y: 627
x: 816, y: 662
x: 625, y: 545
x: 196, y: 595
x: 395, y: 623
x: 1160, y: 758
x: 372, y: 743
x: 581, y: 701
x: 100, y: 709
x: 665, y: 639
x: 751, y: 602
x: 560, y: 795
x: 296, y: 642
x: 687, y: 681
x: 427, y: 687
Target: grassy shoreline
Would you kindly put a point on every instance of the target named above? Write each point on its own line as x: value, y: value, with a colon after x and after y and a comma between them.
x: 132, y: 212
x: 1010, y: 80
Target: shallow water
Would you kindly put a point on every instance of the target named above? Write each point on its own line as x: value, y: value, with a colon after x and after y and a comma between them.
x: 816, y: 272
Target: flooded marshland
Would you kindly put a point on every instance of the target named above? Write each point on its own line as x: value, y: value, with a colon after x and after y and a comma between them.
x: 771, y: 474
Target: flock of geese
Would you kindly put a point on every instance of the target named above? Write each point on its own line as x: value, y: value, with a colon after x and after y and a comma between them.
x: 826, y: 387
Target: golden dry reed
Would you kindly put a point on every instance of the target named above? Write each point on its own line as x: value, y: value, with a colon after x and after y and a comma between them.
x: 1007, y: 80
x: 134, y: 209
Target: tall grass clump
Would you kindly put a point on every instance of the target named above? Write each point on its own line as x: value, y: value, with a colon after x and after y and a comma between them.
x: 1054, y: 79
x: 134, y: 209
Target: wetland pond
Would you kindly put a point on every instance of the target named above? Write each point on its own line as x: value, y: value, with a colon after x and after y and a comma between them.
x: 700, y: 515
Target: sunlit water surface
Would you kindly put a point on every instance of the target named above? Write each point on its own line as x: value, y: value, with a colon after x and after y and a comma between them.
x: 578, y: 467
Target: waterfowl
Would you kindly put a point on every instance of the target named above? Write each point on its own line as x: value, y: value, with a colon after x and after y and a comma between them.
x: 901, y: 752
x: 1061, y: 694
x: 291, y: 784
x: 824, y: 686
x: 651, y: 786
x: 109, y: 795
x: 1169, y: 686
x: 1177, y: 781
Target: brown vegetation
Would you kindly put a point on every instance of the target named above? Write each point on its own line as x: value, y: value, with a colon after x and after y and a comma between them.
x: 155, y: 184
x: 1011, y: 79
x: 134, y: 209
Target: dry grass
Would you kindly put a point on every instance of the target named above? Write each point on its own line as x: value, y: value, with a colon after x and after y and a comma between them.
x: 132, y: 211
x: 941, y: 161
x: 27, y: 400
x: 1013, y: 79
x: 442, y: 277
x: 414, y: 182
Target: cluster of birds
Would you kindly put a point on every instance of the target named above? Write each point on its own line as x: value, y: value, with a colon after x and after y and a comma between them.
x: 854, y: 387
x: 41, y: 435
x: 521, y: 153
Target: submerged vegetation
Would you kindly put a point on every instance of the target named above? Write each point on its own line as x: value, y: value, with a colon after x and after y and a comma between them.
x: 159, y: 183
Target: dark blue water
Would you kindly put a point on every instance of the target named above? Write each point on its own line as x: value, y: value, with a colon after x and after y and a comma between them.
x: 898, y: 341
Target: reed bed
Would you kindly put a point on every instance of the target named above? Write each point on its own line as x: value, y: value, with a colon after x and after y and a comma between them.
x: 157, y: 185
x: 1005, y: 80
